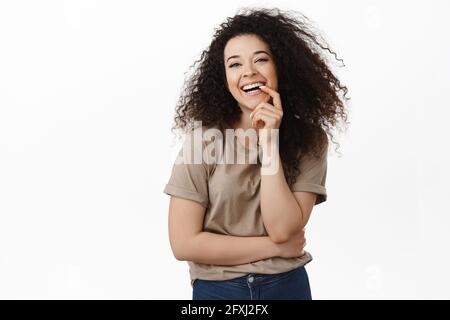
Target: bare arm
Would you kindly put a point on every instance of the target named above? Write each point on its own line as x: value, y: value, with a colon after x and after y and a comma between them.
x: 190, y: 243
x: 282, y: 214
x: 218, y: 249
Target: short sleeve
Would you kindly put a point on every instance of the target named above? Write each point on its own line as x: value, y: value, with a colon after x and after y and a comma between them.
x: 189, y: 178
x: 313, y: 172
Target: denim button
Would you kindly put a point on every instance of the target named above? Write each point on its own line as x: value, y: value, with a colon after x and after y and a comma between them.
x: 251, y: 279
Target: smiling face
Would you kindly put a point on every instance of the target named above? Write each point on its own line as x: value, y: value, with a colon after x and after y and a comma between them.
x: 248, y: 64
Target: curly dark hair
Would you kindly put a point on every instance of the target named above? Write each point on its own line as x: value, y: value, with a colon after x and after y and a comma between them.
x: 313, y: 98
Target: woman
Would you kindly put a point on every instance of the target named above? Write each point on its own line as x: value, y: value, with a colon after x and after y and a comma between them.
x: 240, y: 228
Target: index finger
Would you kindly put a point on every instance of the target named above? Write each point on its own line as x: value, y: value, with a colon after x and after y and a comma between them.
x: 275, y: 95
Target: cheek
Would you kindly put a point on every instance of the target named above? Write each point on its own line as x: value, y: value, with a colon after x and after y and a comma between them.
x: 271, y: 73
x: 232, y: 81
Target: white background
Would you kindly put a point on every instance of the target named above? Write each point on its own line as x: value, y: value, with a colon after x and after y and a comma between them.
x: 87, y: 97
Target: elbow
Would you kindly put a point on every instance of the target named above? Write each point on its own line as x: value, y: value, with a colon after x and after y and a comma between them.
x: 179, y: 257
x: 279, y: 239
x: 179, y: 254
x: 282, y: 235
x: 182, y: 249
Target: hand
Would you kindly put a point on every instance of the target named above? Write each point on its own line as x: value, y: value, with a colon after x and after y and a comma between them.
x: 266, y: 115
x: 293, y: 247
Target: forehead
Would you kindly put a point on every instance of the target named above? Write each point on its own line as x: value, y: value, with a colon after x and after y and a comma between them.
x: 243, y: 45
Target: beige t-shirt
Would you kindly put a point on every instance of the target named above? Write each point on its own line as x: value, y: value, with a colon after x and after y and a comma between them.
x: 231, y: 195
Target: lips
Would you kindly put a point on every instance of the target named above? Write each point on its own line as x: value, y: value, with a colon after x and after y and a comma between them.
x: 253, y: 92
x: 249, y: 84
x: 252, y: 88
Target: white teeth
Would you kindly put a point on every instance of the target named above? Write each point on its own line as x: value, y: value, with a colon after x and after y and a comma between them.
x: 253, y: 85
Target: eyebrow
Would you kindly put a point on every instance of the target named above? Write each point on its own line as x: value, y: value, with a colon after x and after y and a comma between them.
x: 256, y: 52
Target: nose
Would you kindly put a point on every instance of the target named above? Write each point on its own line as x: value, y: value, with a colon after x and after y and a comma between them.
x: 249, y: 71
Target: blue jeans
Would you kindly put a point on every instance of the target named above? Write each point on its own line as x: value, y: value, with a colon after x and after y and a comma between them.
x: 291, y: 285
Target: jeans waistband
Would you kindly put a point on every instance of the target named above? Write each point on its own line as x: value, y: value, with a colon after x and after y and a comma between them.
x: 260, y: 278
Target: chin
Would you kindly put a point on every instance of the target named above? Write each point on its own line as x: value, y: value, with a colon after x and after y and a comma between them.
x: 249, y: 105
x: 253, y: 103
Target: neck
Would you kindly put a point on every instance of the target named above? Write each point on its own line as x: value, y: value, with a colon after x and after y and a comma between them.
x: 244, y: 122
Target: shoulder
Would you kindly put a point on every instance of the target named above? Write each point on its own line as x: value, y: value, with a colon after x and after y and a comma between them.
x: 318, y: 152
x: 322, y: 143
x: 195, y: 147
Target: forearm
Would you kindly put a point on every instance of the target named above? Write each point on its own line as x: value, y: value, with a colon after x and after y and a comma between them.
x: 280, y: 211
x: 218, y: 249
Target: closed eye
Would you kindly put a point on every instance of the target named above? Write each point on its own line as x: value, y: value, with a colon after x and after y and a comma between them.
x: 236, y: 64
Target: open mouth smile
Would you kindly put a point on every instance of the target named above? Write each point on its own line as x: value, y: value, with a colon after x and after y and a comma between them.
x: 252, y: 89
